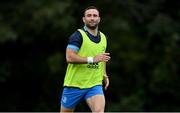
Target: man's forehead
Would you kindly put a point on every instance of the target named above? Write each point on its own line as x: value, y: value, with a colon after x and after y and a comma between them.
x: 91, y: 11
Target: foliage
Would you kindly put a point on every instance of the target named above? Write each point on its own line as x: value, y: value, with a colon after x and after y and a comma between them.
x: 143, y: 39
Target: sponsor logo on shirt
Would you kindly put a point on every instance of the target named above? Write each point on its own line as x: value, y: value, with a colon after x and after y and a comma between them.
x: 93, y: 66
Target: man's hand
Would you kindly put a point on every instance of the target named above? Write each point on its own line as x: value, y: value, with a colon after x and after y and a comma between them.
x: 104, y: 57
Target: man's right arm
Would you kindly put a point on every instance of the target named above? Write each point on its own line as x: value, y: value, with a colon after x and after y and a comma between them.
x: 73, y: 57
x: 74, y: 44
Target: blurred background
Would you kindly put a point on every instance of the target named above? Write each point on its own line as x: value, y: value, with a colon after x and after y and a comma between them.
x: 143, y: 39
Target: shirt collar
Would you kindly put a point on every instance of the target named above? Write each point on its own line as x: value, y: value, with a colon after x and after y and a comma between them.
x: 86, y: 30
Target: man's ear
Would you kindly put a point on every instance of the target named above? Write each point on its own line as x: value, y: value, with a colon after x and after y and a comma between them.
x: 99, y: 19
x: 83, y: 19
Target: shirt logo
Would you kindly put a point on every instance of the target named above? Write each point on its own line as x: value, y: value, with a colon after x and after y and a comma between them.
x: 93, y: 66
x: 64, y: 99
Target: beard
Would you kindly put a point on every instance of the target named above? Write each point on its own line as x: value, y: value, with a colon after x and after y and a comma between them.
x: 93, y: 27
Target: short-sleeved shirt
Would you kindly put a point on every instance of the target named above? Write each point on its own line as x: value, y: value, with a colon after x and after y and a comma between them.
x: 75, y: 40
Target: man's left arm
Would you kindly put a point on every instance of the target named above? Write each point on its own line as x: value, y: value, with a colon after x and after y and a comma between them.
x: 105, y: 78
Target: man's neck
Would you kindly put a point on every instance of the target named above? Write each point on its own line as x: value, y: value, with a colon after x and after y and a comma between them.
x: 94, y: 32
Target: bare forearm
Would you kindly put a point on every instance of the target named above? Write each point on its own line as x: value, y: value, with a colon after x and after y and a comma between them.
x: 105, y: 78
x: 105, y: 72
x: 74, y: 58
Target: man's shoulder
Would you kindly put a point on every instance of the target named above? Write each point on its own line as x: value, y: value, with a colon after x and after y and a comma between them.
x: 76, y: 33
x: 75, y: 39
x: 75, y: 36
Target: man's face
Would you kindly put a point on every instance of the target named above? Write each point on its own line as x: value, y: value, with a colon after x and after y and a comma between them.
x: 91, y: 18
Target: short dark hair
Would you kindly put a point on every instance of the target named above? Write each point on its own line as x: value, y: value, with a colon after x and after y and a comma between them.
x: 90, y: 7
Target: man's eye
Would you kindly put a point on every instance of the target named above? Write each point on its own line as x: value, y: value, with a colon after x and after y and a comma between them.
x: 88, y: 15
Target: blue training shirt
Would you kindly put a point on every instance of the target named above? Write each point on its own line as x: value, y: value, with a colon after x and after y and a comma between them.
x: 75, y: 40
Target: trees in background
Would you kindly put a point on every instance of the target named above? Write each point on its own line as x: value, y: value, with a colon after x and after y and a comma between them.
x: 143, y: 39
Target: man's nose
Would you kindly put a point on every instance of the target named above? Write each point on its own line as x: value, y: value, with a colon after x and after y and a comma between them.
x: 92, y: 18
